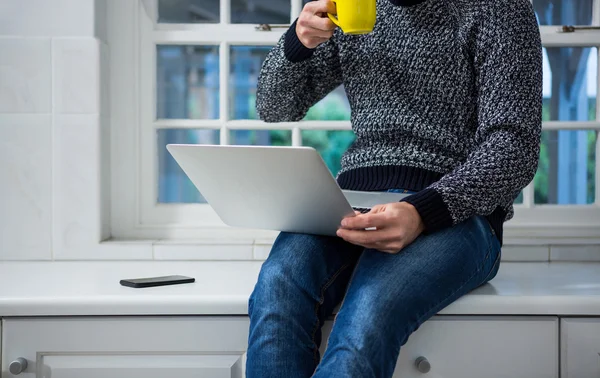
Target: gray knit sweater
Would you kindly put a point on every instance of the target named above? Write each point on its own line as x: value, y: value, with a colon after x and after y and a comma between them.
x: 446, y: 100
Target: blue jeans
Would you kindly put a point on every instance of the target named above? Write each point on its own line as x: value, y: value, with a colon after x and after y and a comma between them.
x: 385, y: 297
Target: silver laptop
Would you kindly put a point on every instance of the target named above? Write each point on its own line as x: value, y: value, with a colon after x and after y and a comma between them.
x: 273, y: 188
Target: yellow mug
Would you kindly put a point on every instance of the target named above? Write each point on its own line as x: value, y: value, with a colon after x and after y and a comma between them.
x: 355, y: 16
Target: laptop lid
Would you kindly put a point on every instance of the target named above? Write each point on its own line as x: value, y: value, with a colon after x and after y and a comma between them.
x: 274, y: 188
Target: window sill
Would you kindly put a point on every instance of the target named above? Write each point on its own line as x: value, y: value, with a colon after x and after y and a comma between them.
x: 223, y: 288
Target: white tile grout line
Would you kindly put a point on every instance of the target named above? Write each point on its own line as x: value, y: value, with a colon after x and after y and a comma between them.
x: 53, y: 149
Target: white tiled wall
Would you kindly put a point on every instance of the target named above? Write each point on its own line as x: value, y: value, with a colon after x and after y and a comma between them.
x: 50, y: 125
x: 25, y: 75
x: 56, y: 18
x: 76, y: 76
x: 26, y: 190
x: 76, y: 208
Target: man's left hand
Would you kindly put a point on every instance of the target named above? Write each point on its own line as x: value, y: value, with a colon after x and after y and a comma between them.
x: 392, y: 227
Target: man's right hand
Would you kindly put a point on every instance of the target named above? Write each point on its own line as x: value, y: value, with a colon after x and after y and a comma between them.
x: 313, y: 26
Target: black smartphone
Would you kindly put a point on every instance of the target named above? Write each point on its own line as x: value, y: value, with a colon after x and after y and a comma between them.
x: 156, y: 281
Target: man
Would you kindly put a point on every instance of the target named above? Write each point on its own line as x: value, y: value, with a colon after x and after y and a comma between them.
x: 446, y: 104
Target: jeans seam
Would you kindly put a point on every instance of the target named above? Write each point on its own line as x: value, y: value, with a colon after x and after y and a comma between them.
x: 346, y: 292
x: 493, y: 267
x: 328, y: 283
x: 420, y: 318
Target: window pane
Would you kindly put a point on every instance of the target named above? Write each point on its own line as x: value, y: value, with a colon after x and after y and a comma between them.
x: 188, y: 11
x: 260, y: 11
x: 570, y: 83
x: 173, y: 185
x: 187, y: 80
x: 564, y: 12
x: 246, y: 62
x: 566, y: 171
x: 261, y: 137
x: 334, y: 107
x: 330, y: 144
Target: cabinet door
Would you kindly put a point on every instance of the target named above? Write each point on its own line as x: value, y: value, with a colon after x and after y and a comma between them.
x: 476, y: 347
x: 126, y: 347
x: 580, y: 348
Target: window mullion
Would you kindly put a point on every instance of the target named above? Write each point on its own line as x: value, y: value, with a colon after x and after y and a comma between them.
x: 225, y: 11
x: 296, y: 137
x: 528, y: 195
x: 296, y: 9
x: 597, y: 194
x: 224, y: 91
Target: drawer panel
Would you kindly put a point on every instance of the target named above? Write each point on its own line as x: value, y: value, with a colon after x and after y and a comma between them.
x: 477, y: 347
x: 580, y: 348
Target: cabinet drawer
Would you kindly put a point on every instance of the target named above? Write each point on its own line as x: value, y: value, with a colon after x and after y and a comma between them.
x: 477, y: 347
x: 580, y: 348
x: 141, y: 347
x: 483, y: 347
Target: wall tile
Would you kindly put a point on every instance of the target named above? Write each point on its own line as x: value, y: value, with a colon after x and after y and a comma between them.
x: 28, y: 18
x: 25, y: 75
x: 575, y: 253
x: 77, y: 181
x: 106, y: 179
x: 109, y: 250
x: 261, y: 251
x: 76, y: 76
x: 26, y: 190
x: 202, y: 251
x: 525, y: 253
x: 80, y: 216
x: 104, y: 87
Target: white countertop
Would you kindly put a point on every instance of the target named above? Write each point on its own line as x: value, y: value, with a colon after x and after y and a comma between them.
x: 222, y: 288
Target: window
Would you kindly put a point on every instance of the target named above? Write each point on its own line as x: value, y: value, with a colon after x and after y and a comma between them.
x: 196, y: 67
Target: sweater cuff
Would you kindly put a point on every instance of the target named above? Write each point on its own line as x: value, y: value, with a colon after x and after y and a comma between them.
x: 293, y: 49
x: 432, y: 209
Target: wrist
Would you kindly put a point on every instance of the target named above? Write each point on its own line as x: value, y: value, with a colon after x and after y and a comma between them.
x: 295, y: 51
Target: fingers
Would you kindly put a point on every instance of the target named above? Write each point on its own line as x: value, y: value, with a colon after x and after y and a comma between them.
x: 312, y: 21
x: 321, y: 6
x: 382, y: 240
x: 308, y: 32
x: 312, y: 28
x: 364, y: 238
x: 368, y: 220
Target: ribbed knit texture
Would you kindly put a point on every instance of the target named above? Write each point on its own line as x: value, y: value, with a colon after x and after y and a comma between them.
x: 294, y: 50
x: 446, y: 100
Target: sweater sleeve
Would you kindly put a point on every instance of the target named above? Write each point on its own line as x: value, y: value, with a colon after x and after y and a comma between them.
x: 293, y: 78
x: 508, y: 65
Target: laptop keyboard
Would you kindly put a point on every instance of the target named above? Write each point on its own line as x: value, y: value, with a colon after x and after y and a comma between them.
x: 362, y: 210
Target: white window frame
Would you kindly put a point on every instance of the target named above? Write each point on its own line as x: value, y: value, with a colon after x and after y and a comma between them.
x: 135, y: 213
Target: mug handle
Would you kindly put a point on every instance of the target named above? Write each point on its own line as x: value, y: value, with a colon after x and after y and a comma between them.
x: 333, y: 18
